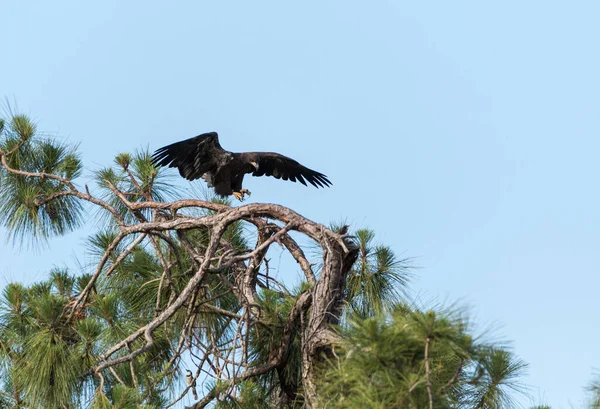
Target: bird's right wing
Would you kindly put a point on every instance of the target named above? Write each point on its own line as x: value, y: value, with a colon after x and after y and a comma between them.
x: 192, y: 157
x: 282, y: 167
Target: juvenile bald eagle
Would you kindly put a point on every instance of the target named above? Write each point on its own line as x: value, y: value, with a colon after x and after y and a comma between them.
x: 203, y: 157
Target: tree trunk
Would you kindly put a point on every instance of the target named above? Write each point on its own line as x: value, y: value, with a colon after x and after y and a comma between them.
x: 317, y: 335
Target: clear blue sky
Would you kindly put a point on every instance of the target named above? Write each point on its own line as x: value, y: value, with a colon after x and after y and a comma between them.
x: 465, y: 133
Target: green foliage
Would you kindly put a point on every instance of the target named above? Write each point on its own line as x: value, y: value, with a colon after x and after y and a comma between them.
x: 275, y: 310
x: 46, y: 358
x: 101, y: 401
x: 136, y: 176
x: 500, y: 374
x: 25, y: 209
x: 594, y: 393
x: 377, y: 280
x: 48, y: 370
x: 381, y: 362
x: 38, y: 352
x: 121, y: 397
x: 21, y: 126
x: 248, y: 395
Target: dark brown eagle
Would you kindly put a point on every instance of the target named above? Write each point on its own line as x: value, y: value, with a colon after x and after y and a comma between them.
x: 203, y: 157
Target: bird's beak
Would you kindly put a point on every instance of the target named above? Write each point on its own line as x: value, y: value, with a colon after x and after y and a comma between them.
x: 255, y: 164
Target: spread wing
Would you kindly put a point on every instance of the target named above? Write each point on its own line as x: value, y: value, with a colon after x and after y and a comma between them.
x: 282, y: 167
x: 193, y: 157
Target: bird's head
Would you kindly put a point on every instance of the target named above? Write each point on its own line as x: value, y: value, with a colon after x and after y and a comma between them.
x: 189, y: 373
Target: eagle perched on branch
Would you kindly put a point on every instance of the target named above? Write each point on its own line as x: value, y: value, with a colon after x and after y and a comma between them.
x: 203, y: 157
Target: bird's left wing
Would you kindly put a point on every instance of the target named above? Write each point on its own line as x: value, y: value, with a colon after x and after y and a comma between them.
x: 282, y: 167
x: 192, y: 157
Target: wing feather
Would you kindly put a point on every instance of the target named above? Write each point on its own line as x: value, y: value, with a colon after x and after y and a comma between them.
x: 282, y: 167
x: 192, y: 157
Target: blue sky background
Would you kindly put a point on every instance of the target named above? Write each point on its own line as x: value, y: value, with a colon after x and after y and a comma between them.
x: 464, y: 133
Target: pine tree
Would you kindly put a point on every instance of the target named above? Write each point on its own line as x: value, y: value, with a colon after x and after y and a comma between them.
x: 177, y: 284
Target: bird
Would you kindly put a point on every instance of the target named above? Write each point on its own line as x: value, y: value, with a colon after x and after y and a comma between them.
x: 203, y: 157
x: 189, y: 378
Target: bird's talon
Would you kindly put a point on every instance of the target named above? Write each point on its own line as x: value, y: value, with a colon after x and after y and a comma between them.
x: 239, y: 196
x: 245, y: 192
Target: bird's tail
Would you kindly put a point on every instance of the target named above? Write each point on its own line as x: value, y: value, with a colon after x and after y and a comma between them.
x: 194, y: 393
